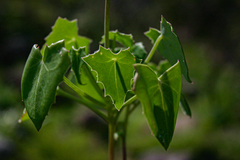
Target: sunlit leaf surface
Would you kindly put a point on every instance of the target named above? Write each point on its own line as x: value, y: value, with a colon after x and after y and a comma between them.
x: 115, y: 71
x: 160, y: 99
x: 67, y: 30
x: 24, y: 116
x: 161, y: 68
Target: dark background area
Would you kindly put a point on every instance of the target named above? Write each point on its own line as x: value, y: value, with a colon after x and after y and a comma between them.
x: 209, y: 31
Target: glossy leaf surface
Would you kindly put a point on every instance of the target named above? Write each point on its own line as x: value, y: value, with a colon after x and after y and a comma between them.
x: 115, y: 71
x: 77, y: 62
x: 160, y: 99
x: 41, y: 76
x: 67, y: 30
x: 169, y: 45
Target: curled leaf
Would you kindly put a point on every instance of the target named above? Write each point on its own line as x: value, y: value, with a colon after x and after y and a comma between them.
x: 169, y: 46
x: 77, y: 62
x: 41, y: 76
x: 160, y: 99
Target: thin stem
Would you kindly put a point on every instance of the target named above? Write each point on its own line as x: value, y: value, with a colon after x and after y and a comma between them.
x: 114, y: 43
x: 154, y: 48
x: 107, y: 23
x: 129, y: 101
x: 81, y: 93
x: 63, y: 93
x: 111, y: 130
x: 60, y: 92
x: 124, y: 150
x: 134, y: 107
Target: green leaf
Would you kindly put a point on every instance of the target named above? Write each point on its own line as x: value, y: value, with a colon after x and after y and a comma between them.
x: 115, y: 71
x: 124, y: 39
x: 160, y: 99
x: 67, y: 30
x: 90, y: 85
x: 153, y: 66
x: 41, y: 76
x: 161, y: 68
x: 184, y: 106
x: 139, y: 51
x: 169, y: 45
x: 77, y: 62
x: 24, y: 116
x: 82, y: 93
x: 153, y: 34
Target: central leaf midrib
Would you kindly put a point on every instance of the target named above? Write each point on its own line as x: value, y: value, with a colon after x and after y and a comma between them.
x: 121, y: 77
x: 164, y: 107
x: 37, y: 87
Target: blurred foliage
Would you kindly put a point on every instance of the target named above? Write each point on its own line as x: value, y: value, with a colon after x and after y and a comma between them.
x: 209, y: 32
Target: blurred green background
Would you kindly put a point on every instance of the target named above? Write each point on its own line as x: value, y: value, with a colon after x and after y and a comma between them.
x: 209, y: 31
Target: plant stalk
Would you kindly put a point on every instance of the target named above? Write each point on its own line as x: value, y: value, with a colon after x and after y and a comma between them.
x: 124, y: 149
x: 63, y: 93
x: 107, y: 23
x: 82, y: 93
x: 154, y: 48
x: 111, y: 130
x: 131, y: 100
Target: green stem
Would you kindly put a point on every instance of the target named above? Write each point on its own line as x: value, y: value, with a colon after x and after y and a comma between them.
x: 81, y: 93
x: 111, y: 130
x: 154, y: 48
x: 60, y: 92
x: 63, y: 93
x: 114, y: 43
x: 134, y: 107
x: 129, y: 101
x: 124, y: 150
x: 107, y: 23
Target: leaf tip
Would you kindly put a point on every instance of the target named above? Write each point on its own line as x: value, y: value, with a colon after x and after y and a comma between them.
x: 163, y: 142
x: 38, y: 124
x: 162, y: 18
x: 188, y: 79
